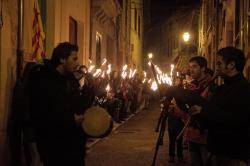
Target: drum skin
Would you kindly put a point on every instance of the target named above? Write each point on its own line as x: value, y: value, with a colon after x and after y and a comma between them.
x: 97, y: 122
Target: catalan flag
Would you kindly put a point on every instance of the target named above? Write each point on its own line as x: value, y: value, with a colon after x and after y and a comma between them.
x: 38, y: 36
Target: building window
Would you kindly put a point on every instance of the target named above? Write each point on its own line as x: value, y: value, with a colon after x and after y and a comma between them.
x: 215, y: 3
x: 248, y: 6
x: 121, y: 3
x: 135, y: 21
x: 139, y: 26
x: 72, y: 31
x: 224, y: 18
x: 237, y: 24
x: 98, y: 49
x: 207, y: 16
x: 110, y: 50
x: 230, y: 36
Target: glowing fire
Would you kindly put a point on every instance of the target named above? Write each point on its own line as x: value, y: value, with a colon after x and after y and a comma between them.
x: 154, y: 86
x: 124, y: 74
x: 133, y: 74
x: 97, y: 72
x: 104, y: 61
x: 108, y: 88
x: 171, y: 72
x: 124, y: 67
x: 109, y: 69
x: 91, y: 68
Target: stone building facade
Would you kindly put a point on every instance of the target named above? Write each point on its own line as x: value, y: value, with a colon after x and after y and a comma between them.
x: 8, y: 49
x: 224, y: 23
x: 165, y: 40
x: 136, y: 33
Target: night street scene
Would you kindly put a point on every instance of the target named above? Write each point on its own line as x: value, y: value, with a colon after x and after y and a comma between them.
x: 124, y: 83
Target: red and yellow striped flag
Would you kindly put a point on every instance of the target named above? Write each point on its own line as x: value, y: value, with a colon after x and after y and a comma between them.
x: 38, y: 36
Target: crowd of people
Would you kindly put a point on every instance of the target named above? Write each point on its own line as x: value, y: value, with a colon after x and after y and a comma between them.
x: 209, y: 111
x: 121, y: 96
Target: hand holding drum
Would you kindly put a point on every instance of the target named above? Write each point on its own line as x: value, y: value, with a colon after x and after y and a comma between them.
x: 97, y: 122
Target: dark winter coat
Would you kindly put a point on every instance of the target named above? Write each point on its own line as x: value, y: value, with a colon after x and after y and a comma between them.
x: 226, y: 116
x: 228, y: 119
x: 54, y: 101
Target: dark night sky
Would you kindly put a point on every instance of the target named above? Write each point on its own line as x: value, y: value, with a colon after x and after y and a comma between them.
x: 161, y: 9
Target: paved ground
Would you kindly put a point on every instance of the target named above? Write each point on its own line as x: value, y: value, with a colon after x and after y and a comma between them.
x: 132, y: 144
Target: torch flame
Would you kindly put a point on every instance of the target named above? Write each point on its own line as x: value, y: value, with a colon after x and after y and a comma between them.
x: 91, y: 67
x: 108, y: 88
x: 172, y: 68
x: 130, y: 73
x: 104, y: 61
x: 133, y: 74
x: 154, y: 86
x: 124, y: 74
x: 109, y: 69
x: 103, y: 74
x: 124, y: 67
x: 97, y: 72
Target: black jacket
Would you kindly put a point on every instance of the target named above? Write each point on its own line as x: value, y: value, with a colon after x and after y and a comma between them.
x: 228, y: 119
x: 226, y: 116
x: 54, y: 101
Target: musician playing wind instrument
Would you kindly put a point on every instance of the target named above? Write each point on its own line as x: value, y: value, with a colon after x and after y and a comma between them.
x: 193, y: 134
x: 227, y: 115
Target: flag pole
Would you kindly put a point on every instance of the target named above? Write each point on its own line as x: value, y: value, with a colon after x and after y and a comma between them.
x: 19, y: 52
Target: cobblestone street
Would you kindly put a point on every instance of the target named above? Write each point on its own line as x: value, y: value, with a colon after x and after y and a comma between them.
x: 132, y: 144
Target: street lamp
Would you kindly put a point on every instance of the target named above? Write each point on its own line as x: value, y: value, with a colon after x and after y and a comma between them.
x: 186, y: 36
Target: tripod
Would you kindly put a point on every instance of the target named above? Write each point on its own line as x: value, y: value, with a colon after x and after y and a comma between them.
x: 162, y: 126
x: 163, y: 116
